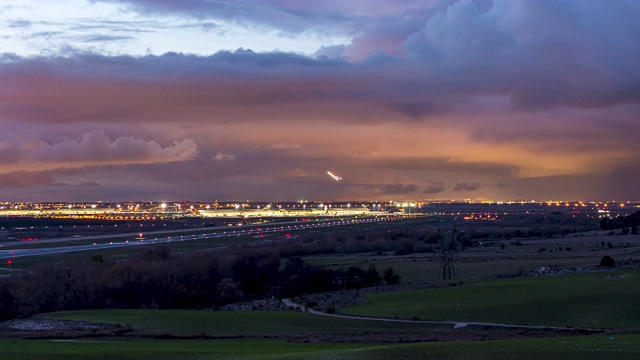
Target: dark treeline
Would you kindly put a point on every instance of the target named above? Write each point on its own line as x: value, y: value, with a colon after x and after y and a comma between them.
x: 158, y: 279
x: 628, y: 224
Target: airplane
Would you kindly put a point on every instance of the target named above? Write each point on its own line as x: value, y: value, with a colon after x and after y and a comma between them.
x: 334, y: 176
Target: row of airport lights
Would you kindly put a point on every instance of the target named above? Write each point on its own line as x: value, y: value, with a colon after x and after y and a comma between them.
x: 164, y: 206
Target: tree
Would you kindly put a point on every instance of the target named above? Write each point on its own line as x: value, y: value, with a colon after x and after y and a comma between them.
x: 447, y: 253
x: 607, y: 261
x: 254, y: 273
x: 390, y: 277
x: 372, y: 277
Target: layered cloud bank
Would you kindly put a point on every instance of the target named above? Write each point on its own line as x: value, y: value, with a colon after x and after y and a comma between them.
x: 411, y: 99
x: 94, y: 148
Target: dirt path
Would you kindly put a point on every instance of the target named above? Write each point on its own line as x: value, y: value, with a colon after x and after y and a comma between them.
x: 455, y: 324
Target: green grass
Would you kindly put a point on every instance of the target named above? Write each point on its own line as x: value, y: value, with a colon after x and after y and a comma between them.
x: 231, y: 323
x: 479, y: 264
x: 168, y: 349
x: 482, y: 262
x: 581, y: 348
x: 601, y: 300
x: 618, y: 347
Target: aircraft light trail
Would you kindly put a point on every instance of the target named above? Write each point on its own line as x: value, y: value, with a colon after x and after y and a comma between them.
x: 334, y: 176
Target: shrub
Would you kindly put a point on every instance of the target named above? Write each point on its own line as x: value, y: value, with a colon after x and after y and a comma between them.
x: 607, y: 261
x: 390, y: 277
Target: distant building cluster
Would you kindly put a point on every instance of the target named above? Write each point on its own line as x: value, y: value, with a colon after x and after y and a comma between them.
x: 467, y: 209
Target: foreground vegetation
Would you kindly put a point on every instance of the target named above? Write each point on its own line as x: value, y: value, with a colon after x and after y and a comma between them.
x: 619, y: 347
x: 603, y: 299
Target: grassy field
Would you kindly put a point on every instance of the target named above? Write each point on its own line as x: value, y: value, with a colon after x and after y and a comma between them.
x: 482, y: 262
x: 231, y: 323
x: 470, y: 266
x: 601, y: 300
x: 169, y: 349
x: 618, y: 347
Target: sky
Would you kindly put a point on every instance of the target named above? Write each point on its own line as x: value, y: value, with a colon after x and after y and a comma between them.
x: 161, y: 100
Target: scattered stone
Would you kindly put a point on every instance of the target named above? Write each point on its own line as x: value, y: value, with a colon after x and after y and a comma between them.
x: 559, y: 269
x: 59, y: 329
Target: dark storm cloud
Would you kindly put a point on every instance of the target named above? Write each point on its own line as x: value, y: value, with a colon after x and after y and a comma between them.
x: 398, y: 189
x: 233, y: 164
x: 434, y: 187
x: 539, y: 54
x: 542, y: 54
x: 25, y: 179
x: 466, y: 186
x: 93, y: 148
x: 225, y: 85
x: 452, y: 55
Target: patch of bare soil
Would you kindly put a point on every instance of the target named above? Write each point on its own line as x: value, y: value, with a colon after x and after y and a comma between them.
x: 58, y: 329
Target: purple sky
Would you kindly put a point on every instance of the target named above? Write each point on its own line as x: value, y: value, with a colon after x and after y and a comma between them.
x: 257, y: 100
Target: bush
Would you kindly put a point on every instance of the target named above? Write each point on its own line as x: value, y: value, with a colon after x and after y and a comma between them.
x: 390, y: 277
x: 607, y: 261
